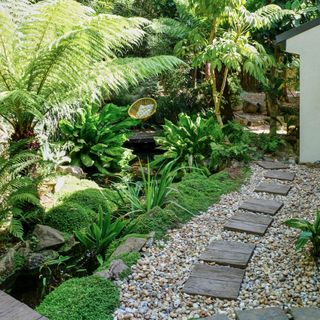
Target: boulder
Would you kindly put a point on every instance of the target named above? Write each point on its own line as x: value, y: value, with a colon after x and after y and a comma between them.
x: 36, y: 259
x: 132, y: 244
x: 47, y: 237
x: 114, y: 271
x: 7, y: 264
x: 72, y: 170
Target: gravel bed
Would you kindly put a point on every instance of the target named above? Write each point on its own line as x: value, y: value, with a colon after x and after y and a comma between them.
x: 276, y: 275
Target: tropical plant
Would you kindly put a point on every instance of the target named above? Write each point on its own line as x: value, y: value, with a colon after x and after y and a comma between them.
x: 310, y: 232
x: 152, y: 192
x: 96, y: 140
x: 56, y: 52
x: 187, y: 143
x: 19, y: 197
x: 100, y: 234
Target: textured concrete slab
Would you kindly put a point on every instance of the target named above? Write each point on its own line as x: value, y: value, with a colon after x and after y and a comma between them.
x: 273, y: 165
x: 214, y: 281
x: 305, y: 313
x: 280, y: 175
x: 262, y: 314
x: 249, y: 223
x: 270, y: 207
x: 273, y: 188
x: 234, y: 254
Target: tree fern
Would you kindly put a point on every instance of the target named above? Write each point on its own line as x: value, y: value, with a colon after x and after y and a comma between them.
x: 57, y: 52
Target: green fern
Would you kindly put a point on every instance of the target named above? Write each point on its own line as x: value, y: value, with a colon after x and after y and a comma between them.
x: 57, y: 52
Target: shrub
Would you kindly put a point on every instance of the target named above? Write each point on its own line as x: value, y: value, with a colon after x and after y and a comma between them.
x: 268, y: 144
x: 70, y: 217
x: 97, y: 139
x: 89, y: 298
x: 92, y: 199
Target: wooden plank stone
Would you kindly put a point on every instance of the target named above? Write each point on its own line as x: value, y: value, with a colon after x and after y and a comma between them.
x: 262, y: 206
x: 217, y: 317
x: 305, y: 313
x: 234, y: 254
x: 280, y: 175
x: 273, y: 188
x: 214, y: 281
x: 249, y: 223
x: 12, y: 309
x: 262, y: 314
x: 272, y: 165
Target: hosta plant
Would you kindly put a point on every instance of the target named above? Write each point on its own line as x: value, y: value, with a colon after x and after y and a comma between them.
x: 310, y: 232
x: 96, y: 139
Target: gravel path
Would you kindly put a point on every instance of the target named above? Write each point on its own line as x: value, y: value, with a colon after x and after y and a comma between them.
x: 276, y: 275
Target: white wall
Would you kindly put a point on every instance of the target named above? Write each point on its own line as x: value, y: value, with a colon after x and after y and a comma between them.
x: 307, y: 44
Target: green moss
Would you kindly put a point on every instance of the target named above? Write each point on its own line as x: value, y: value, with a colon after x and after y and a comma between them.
x: 69, y: 217
x: 92, y: 199
x: 195, y: 193
x: 89, y: 298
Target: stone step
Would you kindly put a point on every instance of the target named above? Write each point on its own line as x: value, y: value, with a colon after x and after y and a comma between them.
x: 280, y: 175
x: 249, y: 223
x: 305, y: 313
x: 262, y: 314
x: 217, y: 317
x: 214, y: 281
x: 234, y: 254
x: 270, y: 207
x: 273, y: 188
x: 273, y: 165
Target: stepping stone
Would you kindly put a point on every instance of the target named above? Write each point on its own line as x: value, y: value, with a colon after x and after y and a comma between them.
x: 217, y: 317
x: 234, y: 254
x: 262, y: 314
x: 280, y: 175
x: 214, y: 281
x: 262, y: 206
x: 305, y: 313
x: 272, y: 165
x: 273, y: 188
x: 249, y: 223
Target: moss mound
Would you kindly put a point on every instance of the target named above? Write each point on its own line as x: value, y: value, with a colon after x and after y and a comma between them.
x: 89, y: 298
x: 69, y: 217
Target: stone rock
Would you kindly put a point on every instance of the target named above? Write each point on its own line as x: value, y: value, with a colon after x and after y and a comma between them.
x: 130, y: 245
x: 48, y: 237
x: 36, y: 259
x: 72, y: 170
x: 114, y: 271
x: 249, y: 107
x: 7, y: 264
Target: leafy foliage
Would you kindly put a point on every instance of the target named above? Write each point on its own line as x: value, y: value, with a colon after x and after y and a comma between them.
x: 90, y: 298
x: 100, y: 234
x: 96, y: 139
x: 54, y: 53
x: 19, y: 197
x: 200, y: 142
x: 267, y: 143
x: 310, y: 232
x: 153, y: 192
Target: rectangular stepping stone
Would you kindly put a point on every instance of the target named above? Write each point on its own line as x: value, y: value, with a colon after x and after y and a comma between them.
x: 262, y: 314
x: 280, y: 175
x: 217, y: 317
x: 249, y: 223
x: 273, y: 188
x: 234, y: 254
x: 273, y: 165
x: 305, y: 313
x: 262, y: 206
x: 214, y: 281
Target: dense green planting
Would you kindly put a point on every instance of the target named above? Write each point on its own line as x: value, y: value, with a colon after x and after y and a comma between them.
x: 70, y: 217
x: 88, y: 298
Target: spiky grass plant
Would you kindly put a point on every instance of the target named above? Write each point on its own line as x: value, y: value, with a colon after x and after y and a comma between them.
x: 56, y: 52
